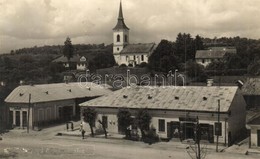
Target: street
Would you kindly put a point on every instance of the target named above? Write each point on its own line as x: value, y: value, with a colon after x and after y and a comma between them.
x: 44, y: 144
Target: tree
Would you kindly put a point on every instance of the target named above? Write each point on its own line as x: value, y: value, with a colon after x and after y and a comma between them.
x: 254, y: 69
x: 89, y: 116
x: 184, y: 47
x: 103, y: 127
x: 198, y: 43
x: 196, y: 71
x: 124, y: 119
x: 102, y: 60
x: 163, y: 58
x: 195, y: 150
x: 143, y: 120
x: 68, y: 49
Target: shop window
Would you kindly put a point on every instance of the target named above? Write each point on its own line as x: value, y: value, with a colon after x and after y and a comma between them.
x: 161, y: 125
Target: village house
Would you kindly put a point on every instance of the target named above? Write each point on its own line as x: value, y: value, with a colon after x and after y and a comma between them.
x: 49, y: 102
x: 251, y: 92
x: 176, y: 109
x: 79, y: 62
x: 205, y: 57
x: 254, y: 131
x: 123, y: 51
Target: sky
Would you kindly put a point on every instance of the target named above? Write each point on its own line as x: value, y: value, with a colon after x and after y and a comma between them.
x: 29, y: 23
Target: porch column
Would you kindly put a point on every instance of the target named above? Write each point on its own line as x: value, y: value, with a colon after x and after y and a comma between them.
x: 21, y: 118
x: 14, y: 118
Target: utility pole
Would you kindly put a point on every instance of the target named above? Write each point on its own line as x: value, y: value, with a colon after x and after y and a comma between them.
x: 198, y: 136
x: 218, y: 128
x: 28, y: 118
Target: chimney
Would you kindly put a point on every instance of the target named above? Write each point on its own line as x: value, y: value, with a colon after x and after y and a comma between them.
x: 21, y: 82
x: 210, y: 82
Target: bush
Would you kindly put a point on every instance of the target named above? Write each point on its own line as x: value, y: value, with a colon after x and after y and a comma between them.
x: 122, y: 65
x: 143, y: 64
x: 151, y: 137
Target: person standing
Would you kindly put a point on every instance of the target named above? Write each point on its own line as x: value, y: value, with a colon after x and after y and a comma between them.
x: 83, y: 133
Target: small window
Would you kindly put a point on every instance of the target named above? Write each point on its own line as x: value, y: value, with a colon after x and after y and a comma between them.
x: 161, y: 125
x: 203, y: 61
x: 104, y: 121
x: 218, y: 129
x: 126, y: 38
x: 142, y: 57
x: 134, y: 57
x: 126, y: 58
x: 117, y: 49
x: 118, y: 38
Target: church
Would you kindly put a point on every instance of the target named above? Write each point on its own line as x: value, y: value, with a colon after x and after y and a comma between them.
x: 123, y: 51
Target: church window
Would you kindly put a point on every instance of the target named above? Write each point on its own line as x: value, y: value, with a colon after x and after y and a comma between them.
x: 117, y: 49
x: 126, y: 38
x: 134, y: 57
x: 118, y: 38
x: 142, y: 57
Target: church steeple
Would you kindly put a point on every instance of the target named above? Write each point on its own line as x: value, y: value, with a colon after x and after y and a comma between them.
x: 120, y: 20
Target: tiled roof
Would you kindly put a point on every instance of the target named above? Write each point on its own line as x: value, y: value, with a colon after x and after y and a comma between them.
x: 63, y: 59
x: 193, y: 98
x: 255, y: 121
x: 138, y: 48
x: 251, y: 86
x: 214, y: 52
x: 55, y: 92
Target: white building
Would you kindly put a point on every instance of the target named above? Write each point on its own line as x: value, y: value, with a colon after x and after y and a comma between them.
x: 76, y: 62
x: 124, y: 52
x: 174, y: 108
x: 205, y: 57
x: 49, y: 102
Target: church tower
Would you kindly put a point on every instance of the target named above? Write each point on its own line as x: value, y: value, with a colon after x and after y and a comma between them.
x: 120, y: 35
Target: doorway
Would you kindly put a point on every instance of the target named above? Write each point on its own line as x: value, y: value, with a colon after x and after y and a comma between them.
x: 188, y: 130
x: 17, y: 118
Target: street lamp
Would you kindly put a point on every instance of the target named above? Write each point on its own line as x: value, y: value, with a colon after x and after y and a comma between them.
x: 175, y: 76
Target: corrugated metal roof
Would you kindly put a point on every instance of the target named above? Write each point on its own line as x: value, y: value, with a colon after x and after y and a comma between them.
x: 193, y: 98
x: 214, y: 52
x: 55, y: 92
x: 138, y: 48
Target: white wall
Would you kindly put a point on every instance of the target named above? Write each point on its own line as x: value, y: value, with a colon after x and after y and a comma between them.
x: 253, y: 134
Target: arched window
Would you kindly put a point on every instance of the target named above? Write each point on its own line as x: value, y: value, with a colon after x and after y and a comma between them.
x: 126, y: 38
x: 118, y: 38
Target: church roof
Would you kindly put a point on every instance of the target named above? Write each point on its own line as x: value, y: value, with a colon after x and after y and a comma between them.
x: 138, y: 48
x: 120, y: 20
